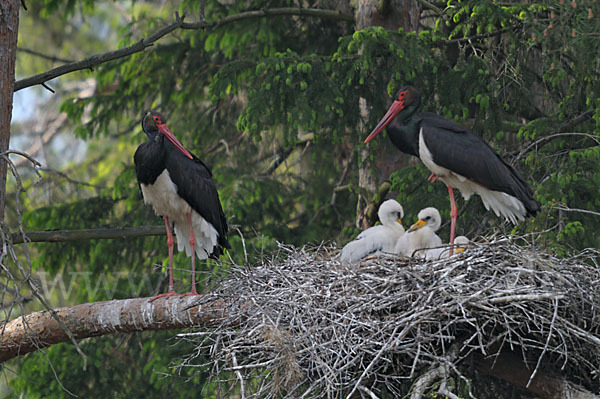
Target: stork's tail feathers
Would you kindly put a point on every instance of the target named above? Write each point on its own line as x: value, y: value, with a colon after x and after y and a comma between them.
x: 523, y: 193
x: 209, y: 244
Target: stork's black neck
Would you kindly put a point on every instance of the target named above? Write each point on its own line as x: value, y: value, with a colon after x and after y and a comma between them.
x: 404, y: 131
x: 149, y: 159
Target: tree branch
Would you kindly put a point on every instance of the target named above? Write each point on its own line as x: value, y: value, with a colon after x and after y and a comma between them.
x: 88, y: 234
x: 88, y: 63
x: 576, y: 121
x: 432, y: 7
x: 554, y: 136
x: 40, y: 330
x: 41, y: 55
x: 567, y: 209
x: 269, y: 12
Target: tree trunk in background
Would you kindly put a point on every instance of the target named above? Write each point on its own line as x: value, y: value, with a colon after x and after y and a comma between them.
x: 9, y: 25
x: 391, y: 14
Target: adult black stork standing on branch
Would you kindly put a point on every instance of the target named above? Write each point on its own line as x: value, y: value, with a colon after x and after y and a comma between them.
x: 180, y: 188
x: 457, y: 157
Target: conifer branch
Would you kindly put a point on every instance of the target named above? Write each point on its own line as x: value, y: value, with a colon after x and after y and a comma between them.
x: 141, y: 45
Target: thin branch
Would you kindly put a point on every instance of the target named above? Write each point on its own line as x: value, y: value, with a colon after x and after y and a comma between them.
x: 480, y: 36
x: 566, y: 209
x: 50, y: 89
x: 368, y: 392
x: 141, y: 45
x: 557, y: 135
x: 88, y: 234
x: 69, y: 179
x: 551, y: 329
x: 222, y: 144
x: 27, y: 273
x: 239, y: 375
x: 25, y: 155
x: 41, y: 55
x: 284, y: 153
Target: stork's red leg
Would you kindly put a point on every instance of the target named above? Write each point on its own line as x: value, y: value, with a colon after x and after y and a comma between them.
x: 453, y: 217
x: 193, y: 244
x: 170, y: 242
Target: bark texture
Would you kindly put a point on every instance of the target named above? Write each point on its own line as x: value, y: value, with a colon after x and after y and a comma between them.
x: 9, y: 25
x: 40, y: 329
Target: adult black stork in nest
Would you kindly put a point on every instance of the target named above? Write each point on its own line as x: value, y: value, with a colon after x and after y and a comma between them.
x: 457, y: 157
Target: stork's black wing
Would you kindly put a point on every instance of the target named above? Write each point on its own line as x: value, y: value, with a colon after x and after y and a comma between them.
x: 457, y: 149
x: 195, y: 185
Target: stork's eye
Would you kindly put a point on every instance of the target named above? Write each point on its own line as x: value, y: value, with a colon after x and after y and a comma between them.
x: 402, y: 94
x: 156, y: 119
x: 427, y: 218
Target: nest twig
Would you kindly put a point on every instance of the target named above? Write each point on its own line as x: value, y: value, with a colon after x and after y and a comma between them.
x: 313, y: 327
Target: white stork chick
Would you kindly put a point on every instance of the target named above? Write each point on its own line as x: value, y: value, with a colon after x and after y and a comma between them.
x: 421, y: 235
x: 444, y: 252
x: 381, y: 238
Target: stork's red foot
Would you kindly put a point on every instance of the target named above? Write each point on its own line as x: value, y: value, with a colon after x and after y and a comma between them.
x: 166, y: 294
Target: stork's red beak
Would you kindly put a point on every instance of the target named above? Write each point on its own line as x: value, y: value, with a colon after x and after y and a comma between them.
x: 162, y: 128
x: 395, y: 108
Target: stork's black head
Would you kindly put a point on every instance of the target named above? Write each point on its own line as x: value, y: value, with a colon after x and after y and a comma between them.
x: 151, y: 121
x: 409, y: 96
x: 406, y: 102
x: 154, y: 123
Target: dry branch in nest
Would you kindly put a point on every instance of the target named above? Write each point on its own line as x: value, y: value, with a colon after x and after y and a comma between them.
x: 313, y: 327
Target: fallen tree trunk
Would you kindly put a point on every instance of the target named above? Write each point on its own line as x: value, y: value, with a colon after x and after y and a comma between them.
x: 41, y: 329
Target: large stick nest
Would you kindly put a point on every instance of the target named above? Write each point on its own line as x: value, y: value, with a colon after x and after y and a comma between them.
x: 308, y: 326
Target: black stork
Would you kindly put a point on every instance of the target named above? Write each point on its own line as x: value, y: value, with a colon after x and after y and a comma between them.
x: 457, y: 157
x: 180, y: 188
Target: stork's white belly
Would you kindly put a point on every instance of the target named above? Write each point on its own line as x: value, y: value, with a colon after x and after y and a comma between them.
x: 501, y: 203
x: 165, y: 201
x: 163, y: 197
